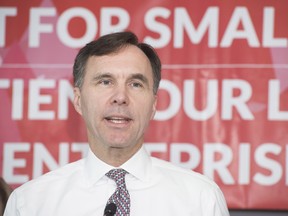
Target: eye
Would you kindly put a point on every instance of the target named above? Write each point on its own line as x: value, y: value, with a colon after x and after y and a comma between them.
x: 136, y: 84
x: 105, y: 82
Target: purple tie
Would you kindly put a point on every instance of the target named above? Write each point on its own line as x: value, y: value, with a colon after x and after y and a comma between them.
x: 121, y: 196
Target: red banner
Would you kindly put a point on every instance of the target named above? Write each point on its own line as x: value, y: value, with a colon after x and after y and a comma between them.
x: 222, y: 108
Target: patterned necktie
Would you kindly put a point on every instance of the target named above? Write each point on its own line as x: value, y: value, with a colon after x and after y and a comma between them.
x: 121, y: 196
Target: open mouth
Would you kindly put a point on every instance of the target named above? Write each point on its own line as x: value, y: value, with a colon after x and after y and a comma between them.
x: 118, y: 120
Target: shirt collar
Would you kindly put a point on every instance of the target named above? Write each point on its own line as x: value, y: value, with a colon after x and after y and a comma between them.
x: 139, y: 166
x: 94, y: 168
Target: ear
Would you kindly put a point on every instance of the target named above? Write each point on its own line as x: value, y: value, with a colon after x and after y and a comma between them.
x: 154, y: 107
x: 77, y: 100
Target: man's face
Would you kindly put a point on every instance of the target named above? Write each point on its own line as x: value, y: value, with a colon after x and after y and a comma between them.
x: 116, y: 99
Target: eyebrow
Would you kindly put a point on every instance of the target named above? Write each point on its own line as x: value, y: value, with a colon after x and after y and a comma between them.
x: 140, y: 77
x: 101, y: 76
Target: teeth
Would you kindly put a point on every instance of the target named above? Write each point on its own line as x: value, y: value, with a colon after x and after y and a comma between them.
x: 117, y: 120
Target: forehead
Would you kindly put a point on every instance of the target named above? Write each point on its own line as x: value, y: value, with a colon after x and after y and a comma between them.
x: 127, y: 60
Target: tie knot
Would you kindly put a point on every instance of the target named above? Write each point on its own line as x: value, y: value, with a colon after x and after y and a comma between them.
x: 118, y: 175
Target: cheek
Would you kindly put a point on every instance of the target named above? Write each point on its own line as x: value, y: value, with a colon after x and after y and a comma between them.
x: 148, y: 111
x: 91, y: 116
x: 89, y: 105
x: 151, y: 106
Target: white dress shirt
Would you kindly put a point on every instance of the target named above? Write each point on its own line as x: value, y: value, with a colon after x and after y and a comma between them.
x: 81, y: 188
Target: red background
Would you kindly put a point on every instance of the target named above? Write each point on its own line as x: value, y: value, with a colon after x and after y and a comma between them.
x: 194, y: 61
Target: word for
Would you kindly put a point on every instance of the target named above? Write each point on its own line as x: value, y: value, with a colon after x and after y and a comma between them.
x: 240, y: 26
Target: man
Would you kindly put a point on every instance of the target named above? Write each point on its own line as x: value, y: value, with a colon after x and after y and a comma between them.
x: 116, y: 81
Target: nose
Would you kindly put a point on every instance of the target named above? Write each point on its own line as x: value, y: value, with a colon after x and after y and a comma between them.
x: 120, y: 96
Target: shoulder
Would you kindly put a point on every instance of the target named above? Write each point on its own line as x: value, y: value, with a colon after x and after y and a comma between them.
x: 40, y: 192
x: 59, y: 176
x: 191, y: 188
x: 185, y: 176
